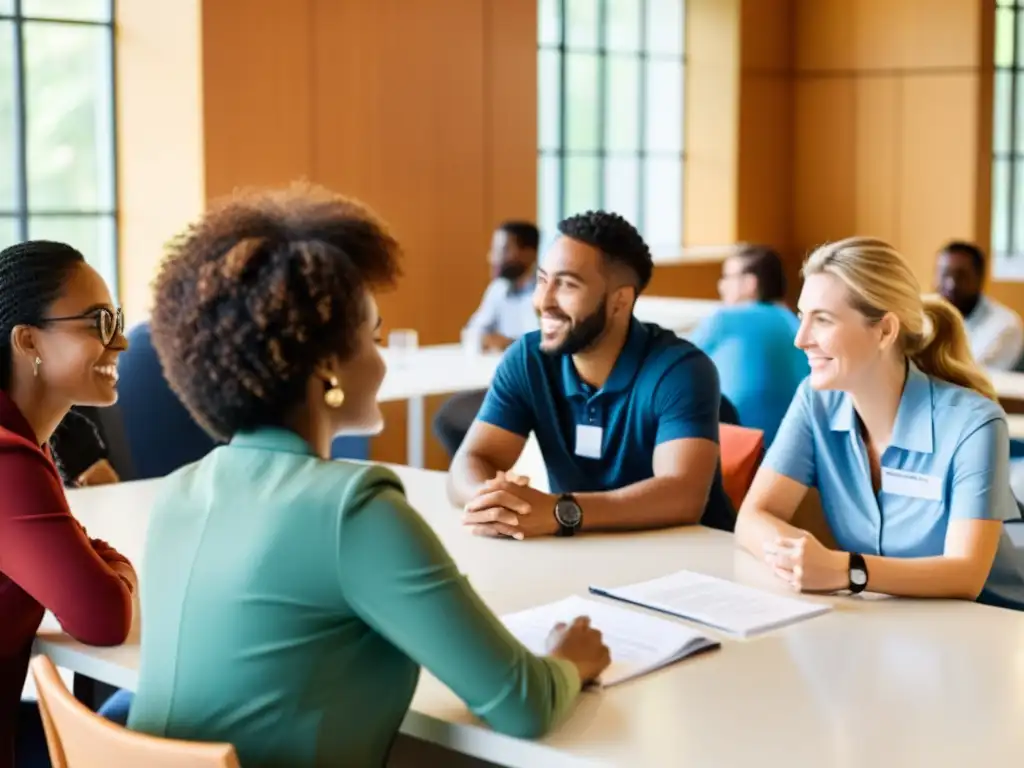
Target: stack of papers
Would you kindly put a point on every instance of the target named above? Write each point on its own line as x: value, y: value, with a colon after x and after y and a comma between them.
x: 639, y: 643
x: 724, y: 605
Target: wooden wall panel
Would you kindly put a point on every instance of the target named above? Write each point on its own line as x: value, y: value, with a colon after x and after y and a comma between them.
x: 878, y: 118
x: 424, y: 109
x: 937, y: 190
x: 824, y: 160
x: 257, y: 93
x: 944, y: 33
x: 920, y: 141
x: 764, y: 194
x: 824, y: 35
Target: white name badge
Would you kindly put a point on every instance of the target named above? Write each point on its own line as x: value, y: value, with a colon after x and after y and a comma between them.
x: 913, y: 484
x: 588, y: 441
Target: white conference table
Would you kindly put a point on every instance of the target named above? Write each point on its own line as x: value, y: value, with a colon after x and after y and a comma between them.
x: 415, y: 374
x: 1009, y: 385
x: 875, y: 682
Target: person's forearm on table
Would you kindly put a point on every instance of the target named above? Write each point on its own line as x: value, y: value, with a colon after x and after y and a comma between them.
x: 756, y: 527
x: 659, y: 502
x: 468, y: 473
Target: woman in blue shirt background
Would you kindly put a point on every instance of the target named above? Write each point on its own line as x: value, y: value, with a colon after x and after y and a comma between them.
x: 900, y: 433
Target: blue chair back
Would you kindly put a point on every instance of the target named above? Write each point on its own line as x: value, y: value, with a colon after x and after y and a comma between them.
x: 162, y: 436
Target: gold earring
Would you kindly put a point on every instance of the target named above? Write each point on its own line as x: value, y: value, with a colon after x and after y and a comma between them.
x: 35, y: 366
x: 334, y: 396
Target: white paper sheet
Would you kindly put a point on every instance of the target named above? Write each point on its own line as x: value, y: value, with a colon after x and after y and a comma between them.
x: 719, y: 603
x: 638, y: 642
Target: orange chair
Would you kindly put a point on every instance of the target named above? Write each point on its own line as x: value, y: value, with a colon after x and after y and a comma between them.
x: 742, y: 449
x: 79, y: 738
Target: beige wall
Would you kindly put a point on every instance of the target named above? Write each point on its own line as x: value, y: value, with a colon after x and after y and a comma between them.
x: 160, y: 136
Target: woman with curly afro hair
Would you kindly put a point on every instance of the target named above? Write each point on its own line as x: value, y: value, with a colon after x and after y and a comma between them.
x: 290, y: 601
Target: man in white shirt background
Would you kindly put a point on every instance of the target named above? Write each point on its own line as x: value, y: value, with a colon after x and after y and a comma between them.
x: 505, y: 313
x: 995, y: 331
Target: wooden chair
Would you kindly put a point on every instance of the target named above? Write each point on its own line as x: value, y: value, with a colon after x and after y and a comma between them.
x: 742, y: 449
x: 79, y: 738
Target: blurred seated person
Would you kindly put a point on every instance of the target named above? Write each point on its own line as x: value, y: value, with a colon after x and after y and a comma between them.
x: 995, y: 332
x: 80, y: 453
x: 750, y: 339
x: 505, y: 313
x: 626, y: 413
x: 313, y: 592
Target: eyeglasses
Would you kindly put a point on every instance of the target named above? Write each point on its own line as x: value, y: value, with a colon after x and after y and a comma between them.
x: 109, y: 323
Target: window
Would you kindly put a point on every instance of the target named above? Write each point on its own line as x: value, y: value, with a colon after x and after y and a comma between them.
x: 57, y: 126
x: 1008, y: 141
x: 610, y: 133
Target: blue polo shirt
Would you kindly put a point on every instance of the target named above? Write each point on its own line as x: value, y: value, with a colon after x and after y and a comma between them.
x: 661, y: 388
x: 758, y: 366
x: 948, y: 459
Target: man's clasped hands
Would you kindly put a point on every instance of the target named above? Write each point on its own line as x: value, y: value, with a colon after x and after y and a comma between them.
x: 508, y: 506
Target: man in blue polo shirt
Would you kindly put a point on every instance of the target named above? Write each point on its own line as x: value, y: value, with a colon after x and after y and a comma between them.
x: 625, y: 413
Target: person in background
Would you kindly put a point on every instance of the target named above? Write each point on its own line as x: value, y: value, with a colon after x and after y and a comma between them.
x: 505, y: 313
x: 626, y: 414
x: 995, y: 332
x: 900, y: 433
x: 314, y: 592
x: 60, y: 337
x: 80, y: 453
x: 751, y: 339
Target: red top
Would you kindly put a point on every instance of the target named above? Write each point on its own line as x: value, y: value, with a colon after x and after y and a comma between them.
x: 47, y: 562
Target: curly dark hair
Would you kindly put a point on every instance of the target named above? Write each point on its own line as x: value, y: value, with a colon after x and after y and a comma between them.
x: 616, y: 238
x: 251, y: 298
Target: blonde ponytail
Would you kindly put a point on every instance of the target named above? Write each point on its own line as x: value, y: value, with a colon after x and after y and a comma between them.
x: 945, y: 352
x: 880, y: 281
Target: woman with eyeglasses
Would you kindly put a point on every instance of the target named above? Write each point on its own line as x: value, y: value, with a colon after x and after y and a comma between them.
x: 60, y: 336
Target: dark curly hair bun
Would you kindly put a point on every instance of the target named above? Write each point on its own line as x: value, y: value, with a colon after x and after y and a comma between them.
x: 263, y: 288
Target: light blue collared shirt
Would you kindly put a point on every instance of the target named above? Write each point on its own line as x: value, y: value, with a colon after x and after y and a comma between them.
x: 506, y: 310
x: 948, y: 459
x: 758, y: 366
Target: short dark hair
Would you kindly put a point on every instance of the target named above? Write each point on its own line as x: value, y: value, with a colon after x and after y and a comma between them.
x: 970, y: 250
x: 765, y: 264
x: 525, y: 233
x: 259, y: 292
x: 616, y: 238
x: 32, y: 277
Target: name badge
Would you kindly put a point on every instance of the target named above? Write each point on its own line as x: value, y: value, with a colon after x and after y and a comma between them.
x: 913, y: 484
x: 588, y: 441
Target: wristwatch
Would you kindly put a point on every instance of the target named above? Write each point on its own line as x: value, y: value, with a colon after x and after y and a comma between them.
x: 568, y: 515
x: 858, y: 573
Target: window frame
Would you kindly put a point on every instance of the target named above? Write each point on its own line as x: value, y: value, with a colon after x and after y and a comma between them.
x: 23, y: 212
x: 643, y: 155
x: 1008, y: 262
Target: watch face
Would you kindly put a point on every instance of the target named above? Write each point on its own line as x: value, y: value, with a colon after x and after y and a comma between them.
x: 858, y: 577
x: 568, y: 513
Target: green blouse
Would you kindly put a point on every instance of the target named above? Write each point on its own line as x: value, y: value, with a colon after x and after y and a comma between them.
x: 289, y: 602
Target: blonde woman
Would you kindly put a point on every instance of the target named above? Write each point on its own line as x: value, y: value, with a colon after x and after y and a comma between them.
x: 899, y: 432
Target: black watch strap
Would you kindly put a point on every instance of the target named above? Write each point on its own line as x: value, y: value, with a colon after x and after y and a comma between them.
x: 858, y: 573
